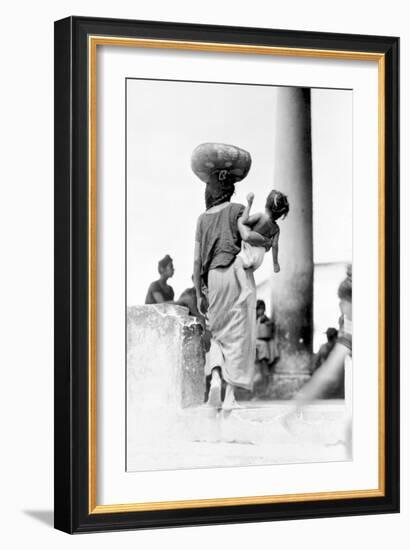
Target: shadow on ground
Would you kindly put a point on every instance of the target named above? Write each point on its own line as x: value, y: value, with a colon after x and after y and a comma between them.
x: 44, y: 516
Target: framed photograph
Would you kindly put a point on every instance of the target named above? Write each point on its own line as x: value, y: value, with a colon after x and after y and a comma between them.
x: 226, y: 274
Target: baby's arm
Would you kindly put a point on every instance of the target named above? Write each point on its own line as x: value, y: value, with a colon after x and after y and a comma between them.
x: 275, y: 251
x: 253, y: 219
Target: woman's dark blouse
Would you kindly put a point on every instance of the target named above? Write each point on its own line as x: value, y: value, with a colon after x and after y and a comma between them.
x: 219, y: 237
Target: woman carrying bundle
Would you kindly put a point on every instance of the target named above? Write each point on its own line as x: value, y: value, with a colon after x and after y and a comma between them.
x: 229, y: 307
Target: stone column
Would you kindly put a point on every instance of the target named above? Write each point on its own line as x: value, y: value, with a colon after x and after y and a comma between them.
x: 292, y: 288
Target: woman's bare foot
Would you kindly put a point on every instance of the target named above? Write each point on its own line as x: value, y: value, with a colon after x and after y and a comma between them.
x: 229, y: 401
x: 290, y: 419
x: 214, y: 397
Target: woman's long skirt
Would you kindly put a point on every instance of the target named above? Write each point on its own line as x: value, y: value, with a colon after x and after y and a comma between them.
x: 232, y: 322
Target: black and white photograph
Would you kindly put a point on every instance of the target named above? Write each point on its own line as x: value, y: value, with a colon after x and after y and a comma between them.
x: 238, y: 274
x: 234, y: 184
x: 205, y: 283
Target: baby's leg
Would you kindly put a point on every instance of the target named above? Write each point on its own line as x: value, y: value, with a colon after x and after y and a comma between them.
x: 249, y: 199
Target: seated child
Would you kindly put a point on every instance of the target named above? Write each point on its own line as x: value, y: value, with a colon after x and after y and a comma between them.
x: 262, y: 223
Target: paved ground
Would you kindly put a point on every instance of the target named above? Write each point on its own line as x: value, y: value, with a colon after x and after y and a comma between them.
x: 253, y: 435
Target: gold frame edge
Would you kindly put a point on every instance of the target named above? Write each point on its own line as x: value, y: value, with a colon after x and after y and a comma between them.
x: 93, y: 42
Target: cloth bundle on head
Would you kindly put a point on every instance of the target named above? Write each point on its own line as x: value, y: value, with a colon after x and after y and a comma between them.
x: 220, y: 166
x: 219, y: 162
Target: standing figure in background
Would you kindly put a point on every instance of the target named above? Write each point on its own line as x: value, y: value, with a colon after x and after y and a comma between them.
x: 160, y: 291
x: 336, y: 391
x: 325, y: 349
x: 266, y: 349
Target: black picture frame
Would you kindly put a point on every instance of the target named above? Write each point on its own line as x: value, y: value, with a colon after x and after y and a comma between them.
x: 72, y: 407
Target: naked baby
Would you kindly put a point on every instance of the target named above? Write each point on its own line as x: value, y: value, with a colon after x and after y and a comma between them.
x: 264, y: 224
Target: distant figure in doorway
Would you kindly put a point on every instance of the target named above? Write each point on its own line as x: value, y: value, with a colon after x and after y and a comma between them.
x: 160, y: 291
x: 325, y: 349
x: 336, y: 390
x: 266, y: 349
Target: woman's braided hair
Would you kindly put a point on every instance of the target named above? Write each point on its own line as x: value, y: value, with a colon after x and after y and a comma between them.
x: 219, y: 191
